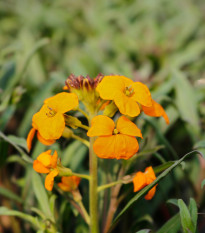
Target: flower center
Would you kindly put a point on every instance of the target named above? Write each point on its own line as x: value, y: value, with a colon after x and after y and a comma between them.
x: 129, y: 91
x: 51, y: 112
x: 115, y: 131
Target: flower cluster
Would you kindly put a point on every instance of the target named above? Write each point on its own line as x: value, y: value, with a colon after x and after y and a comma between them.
x: 101, y: 98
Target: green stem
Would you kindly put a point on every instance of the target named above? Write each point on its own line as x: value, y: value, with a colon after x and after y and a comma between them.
x: 84, y: 141
x: 85, y: 213
x: 84, y: 127
x: 105, y: 186
x: 83, y: 112
x: 81, y: 175
x: 64, y: 171
x: 93, y: 197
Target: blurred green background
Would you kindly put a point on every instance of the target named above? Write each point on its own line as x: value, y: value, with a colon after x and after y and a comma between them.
x: 158, y: 42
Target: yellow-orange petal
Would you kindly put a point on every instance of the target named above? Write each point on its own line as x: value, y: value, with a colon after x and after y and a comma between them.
x: 151, y: 193
x: 54, y: 159
x: 126, y: 105
x: 69, y: 183
x: 127, y: 127
x: 39, y: 167
x: 156, y: 110
x: 139, y: 181
x: 45, y: 158
x: 62, y: 102
x: 64, y: 187
x: 44, y: 141
x: 49, y: 181
x: 116, y: 146
x: 127, y: 81
x: 142, y: 94
x: 49, y: 126
x: 109, y: 85
x: 101, y: 126
x: 150, y: 175
x: 30, y: 138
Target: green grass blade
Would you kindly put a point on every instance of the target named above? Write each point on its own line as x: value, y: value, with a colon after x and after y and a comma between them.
x: 185, y: 217
x: 171, y: 226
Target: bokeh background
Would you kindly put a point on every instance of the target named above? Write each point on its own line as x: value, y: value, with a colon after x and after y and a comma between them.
x: 158, y: 42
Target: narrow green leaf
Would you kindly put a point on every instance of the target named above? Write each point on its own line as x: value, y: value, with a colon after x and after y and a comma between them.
x: 7, y: 212
x: 171, y: 226
x: 52, y: 203
x: 23, y: 154
x: 147, y: 188
x: 193, y: 212
x: 173, y: 202
x: 9, y: 194
x: 163, y: 167
x: 41, y: 194
x: 144, y: 231
x: 200, y: 144
x: 186, y: 101
x: 185, y: 217
x: 18, y: 141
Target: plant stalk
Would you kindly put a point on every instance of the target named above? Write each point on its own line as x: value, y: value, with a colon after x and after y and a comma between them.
x: 93, y: 195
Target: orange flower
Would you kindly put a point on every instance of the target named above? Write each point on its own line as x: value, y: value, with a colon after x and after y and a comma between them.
x: 143, y: 179
x: 49, y: 121
x: 114, y: 143
x: 46, y: 163
x: 126, y: 94
x: 69, y: 183
x: 156, y: 110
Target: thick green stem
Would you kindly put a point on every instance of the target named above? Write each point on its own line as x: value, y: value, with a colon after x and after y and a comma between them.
x: 94, y: 228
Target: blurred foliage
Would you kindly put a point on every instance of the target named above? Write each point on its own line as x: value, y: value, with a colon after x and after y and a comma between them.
x: 161, y: 43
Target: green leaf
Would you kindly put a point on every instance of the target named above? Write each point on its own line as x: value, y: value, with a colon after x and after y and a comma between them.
x: 200, y: 144
x: 171, y: 226
x: 23, y: 154
x: 52, y: 203
x: 10, y: 194
x: 147, y: 188
x: 185, y: 217
x: 5, y: 211
x: 162, y: 167
x: 41, y: 194
x: 18, y: 141
x: 186, y: 102
x: 193, y: 212
x: 144, y: 231
x: 173, y: 202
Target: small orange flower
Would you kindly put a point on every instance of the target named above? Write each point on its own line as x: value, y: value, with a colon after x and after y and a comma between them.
x: 49, y: 121
x: 126, y: 94
x: 47, y: 163
x: 114, y: 143
x: 69, y: 183
x: 156, y: 110
x: 143, y: 179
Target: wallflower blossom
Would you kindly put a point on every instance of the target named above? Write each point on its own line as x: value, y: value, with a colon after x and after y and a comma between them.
x: 125, y: 93
x: 47, y: 163
x: 143, y: 179
x: 114, y: 143
x: 156, y: 110
x: 69, y: 183
x: 49, y: 121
